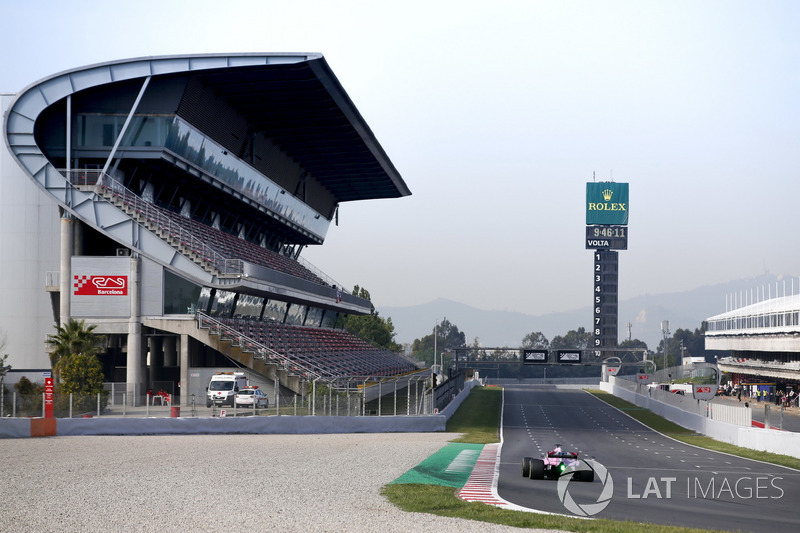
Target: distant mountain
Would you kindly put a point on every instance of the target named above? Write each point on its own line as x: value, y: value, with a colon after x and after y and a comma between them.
x: 684, y: 310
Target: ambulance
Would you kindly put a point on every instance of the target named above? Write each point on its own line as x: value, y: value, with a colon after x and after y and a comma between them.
x: 223, y: 386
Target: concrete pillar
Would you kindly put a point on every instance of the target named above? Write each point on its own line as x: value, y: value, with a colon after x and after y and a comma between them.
x: 65, y: 278
x: 185, y: 400
x: 156, y: 359
x: 170, y: 346
x: 78, y: 236
x: 134, y: 362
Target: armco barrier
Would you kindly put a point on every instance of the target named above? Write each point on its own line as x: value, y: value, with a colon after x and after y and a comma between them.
x: 767, y: 440
x: 25, y: 427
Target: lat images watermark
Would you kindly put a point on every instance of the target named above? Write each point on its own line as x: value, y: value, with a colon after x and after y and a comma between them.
x: 709, y: 488
x: 699, y: 487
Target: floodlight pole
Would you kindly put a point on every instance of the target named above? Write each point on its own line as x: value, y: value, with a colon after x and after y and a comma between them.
x: 435, y: 334
x: 665, y: 331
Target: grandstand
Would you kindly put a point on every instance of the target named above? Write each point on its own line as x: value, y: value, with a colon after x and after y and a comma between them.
x: 181, y: 192
x: 762, y: 333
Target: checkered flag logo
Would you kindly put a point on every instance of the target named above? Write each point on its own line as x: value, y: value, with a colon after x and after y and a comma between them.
x: 80, y: 281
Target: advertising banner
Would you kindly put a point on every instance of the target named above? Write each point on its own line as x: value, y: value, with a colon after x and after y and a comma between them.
x: 100, y: 287
x: 607, y: 203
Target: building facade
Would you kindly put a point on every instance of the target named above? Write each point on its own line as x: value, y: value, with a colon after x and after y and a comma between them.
x: 762, y: 332
x: 167, y: 201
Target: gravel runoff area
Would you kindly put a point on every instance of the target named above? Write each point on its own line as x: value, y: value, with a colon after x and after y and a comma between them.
x: 303, y: 483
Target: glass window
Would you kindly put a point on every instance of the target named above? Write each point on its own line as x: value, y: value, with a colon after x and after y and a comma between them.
x: 103, y: 129
x: 314, y: 316
x: 180, y: 296
x: 275, y: 310
x: 296, y: 314
x: 205, y: 299
x: 195, y: 147
x: 222, y: 306
x: 329, y: 319
x: 248, y: 307
x: 147, y: 130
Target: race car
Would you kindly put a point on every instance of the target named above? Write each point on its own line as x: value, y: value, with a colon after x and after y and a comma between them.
x: 557, y: 463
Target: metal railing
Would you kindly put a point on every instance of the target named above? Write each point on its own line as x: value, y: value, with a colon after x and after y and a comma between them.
x: 321, y: 275
x: 153, y: 218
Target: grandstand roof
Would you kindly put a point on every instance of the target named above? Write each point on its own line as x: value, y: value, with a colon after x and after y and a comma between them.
x: 782, y: 304
x: 294, y: 97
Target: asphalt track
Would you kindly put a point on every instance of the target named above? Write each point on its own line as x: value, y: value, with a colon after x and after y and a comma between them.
x: 655, y: 479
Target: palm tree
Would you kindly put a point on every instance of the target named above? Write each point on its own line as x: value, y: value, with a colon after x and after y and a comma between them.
x: 74, y: 337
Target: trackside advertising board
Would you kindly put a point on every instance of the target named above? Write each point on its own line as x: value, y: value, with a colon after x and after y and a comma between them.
x: 607, y: 203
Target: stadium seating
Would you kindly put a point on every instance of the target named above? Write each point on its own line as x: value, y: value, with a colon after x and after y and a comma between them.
x: 313, y: 351
x: 327, y: 352
x: 201, y: 242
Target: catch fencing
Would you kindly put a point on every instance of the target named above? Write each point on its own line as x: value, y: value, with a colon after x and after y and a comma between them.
x: 356, y: 396
x: 732, y: 414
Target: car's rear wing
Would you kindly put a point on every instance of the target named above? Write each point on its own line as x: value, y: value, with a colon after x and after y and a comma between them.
x: 563, y: 455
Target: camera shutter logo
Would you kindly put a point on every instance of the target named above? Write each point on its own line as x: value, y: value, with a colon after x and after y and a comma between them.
x: 587, y: 509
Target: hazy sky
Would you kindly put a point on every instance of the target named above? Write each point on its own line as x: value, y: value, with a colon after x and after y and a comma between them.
x: 496, y: 115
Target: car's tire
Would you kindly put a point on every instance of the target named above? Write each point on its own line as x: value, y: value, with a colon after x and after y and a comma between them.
x: 537, y: 469
x: 586, y: 475
x: 208, y: 403
x: 526, y: 466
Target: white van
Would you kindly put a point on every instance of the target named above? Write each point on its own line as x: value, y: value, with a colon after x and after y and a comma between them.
x: 223, y: 386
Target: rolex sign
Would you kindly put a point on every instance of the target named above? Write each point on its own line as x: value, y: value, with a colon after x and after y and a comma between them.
x: 607, y: 203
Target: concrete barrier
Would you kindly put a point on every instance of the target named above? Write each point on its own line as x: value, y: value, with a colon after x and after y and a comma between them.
x: 250, y: 425
x: 15, y: 427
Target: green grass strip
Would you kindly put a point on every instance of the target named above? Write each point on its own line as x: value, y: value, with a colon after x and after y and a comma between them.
x: 478, y: 418
x: 442, y: 501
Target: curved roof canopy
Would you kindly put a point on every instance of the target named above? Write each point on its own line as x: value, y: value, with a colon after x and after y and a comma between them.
x: 295, y: 98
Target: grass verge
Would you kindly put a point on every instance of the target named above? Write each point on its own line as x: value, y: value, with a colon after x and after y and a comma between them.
x: 478, y: 419
x: 442, y: 501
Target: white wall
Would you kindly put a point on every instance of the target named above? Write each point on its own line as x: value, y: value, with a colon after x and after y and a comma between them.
x: 29, y: 248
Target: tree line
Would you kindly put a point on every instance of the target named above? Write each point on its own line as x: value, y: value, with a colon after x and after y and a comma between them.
x: 445, y: 337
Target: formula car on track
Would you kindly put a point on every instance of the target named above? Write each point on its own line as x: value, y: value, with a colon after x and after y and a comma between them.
x: 557, y: 463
